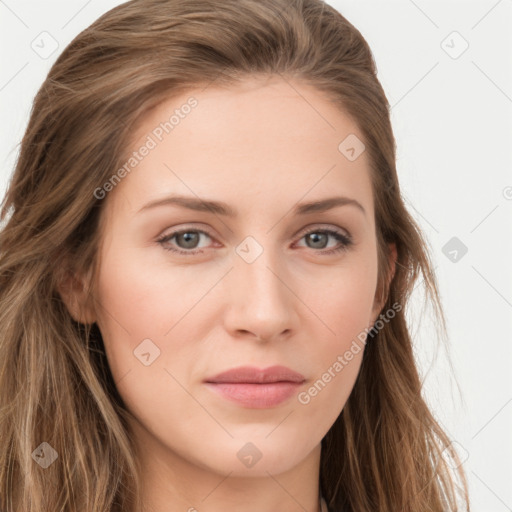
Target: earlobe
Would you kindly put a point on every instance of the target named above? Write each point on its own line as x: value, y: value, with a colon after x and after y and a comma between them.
x: 73, y: 291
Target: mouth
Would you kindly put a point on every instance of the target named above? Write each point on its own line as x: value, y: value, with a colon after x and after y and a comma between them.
x: 254, y: 388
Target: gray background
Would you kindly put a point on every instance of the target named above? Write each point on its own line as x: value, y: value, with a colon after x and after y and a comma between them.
x: 452, y: 116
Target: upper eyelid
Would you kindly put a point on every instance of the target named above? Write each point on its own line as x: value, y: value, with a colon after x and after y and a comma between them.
x: 319, y: 226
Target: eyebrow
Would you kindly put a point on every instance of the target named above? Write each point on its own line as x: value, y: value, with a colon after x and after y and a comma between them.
x: 221, y: 208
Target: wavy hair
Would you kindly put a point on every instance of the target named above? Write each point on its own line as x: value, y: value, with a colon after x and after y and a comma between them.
x: 385, y: 452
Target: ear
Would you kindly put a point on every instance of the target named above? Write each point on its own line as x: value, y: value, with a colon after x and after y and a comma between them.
x: 381, y: 300
x: 74, y: 291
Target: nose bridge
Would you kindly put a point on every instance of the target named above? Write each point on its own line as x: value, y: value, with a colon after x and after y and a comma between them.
x: 260, y: 300
x: 258, y: 268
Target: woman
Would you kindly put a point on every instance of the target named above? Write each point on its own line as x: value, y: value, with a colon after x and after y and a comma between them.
x: 172, y: 336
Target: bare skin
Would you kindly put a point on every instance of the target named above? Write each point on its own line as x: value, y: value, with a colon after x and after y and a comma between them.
x: 262, y: 148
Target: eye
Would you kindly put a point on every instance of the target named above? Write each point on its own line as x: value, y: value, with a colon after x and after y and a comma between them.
x: 321, y: 237
x: 189, y: 238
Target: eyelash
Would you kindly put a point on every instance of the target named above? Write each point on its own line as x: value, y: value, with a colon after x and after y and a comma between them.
x: 346, y: 241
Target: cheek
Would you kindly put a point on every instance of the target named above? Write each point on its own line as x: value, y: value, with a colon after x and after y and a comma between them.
x: 126, y: 310
x: 147, y: 327
x: 344, y: 309
x: 144, y: 309
x: 344, y: 302
x: 342, y: 314
x: 339, y: 351
x: 138, y: 298
x: 328, y: 393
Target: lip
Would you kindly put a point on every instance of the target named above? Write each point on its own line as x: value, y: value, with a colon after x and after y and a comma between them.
x: 255, y: 388
x: 253, y: 375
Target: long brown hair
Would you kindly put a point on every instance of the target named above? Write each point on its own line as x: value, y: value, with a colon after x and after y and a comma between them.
x: 385, y: 452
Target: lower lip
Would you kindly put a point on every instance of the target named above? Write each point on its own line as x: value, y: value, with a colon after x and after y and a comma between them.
x: 256, y: 396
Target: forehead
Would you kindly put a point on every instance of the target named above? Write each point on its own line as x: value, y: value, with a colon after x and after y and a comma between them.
x: 258, y: 142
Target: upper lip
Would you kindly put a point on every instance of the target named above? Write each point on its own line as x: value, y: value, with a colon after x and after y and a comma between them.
x: 251, y: 374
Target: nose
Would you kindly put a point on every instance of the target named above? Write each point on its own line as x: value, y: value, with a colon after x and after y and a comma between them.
x: 261, y: 303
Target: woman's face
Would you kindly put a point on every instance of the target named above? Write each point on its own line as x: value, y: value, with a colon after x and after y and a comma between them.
x: 244, y: 284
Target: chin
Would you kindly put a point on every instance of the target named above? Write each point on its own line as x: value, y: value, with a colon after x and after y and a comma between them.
x: 256, y: 458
